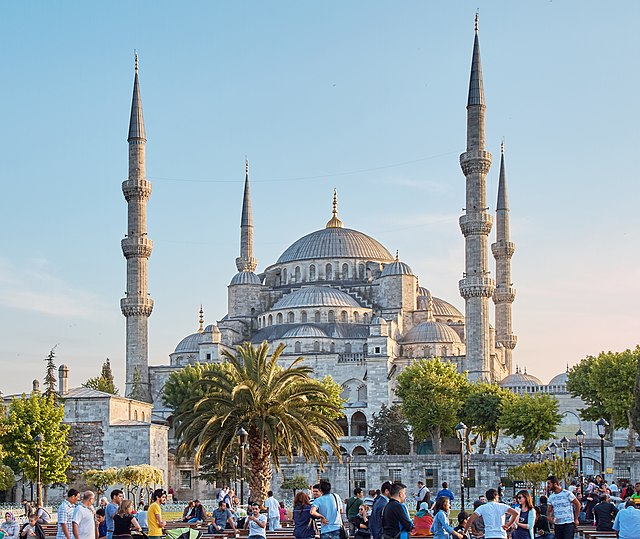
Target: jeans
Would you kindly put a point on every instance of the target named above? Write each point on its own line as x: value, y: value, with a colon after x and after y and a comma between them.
x: 193, y: 520
x: 274, y: 523
x: 335, y: 534
x: 109, y: 534
x: 565, y: 531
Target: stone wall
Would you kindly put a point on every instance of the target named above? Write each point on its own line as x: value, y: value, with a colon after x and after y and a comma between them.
x: 85, y: 448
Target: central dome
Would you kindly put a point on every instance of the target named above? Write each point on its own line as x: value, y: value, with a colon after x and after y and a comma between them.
x: 336, y: 243
x: 316, y: 296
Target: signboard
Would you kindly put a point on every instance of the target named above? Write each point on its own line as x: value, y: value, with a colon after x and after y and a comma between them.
x: 522, y: 485
x: 609, y: 471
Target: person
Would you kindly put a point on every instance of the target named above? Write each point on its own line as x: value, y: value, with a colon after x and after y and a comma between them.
x: 477, y: 527
x: 188, y: 511
x: 635, y: 497
x: 303, y: 525
x: 124, y: 520
x: 32, y: 529
x: 84, y: 518
x: 197, y: 515
x: 65, y: 514
x: 422, y: 521
x: 172, y: 494
x: 328, y: 509
x: 10, y: 526
x: 102, y: 504
x: 256, y: 522
x: 43, y: 516
x: 444, y: 491
x: 422, y: 495
x: 604, y: 513
x: 27, y: 508
x: 221, y: 518
x: 223, y: 493
x: 526, y: 521
x: 564, y: 509
x: 353, y: 507
x: 493, y: 514
x: 142, y: 518
x: 273, y: 511
x: 116, y: 499
x: 102, y: 524
x: 441, y: 529
x: 614, y: 489
x: 375, y: 520
x: 369, y: 498
x: 627, y: 522
x: 154, y: 514
x: 396, y: 523
x: 463, y: 516
x: 362, y: 523
x: 542, y: 528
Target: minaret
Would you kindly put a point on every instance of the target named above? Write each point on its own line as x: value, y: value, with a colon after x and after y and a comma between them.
x: 136, y: 247
x: 476, y: 287
x: 503, y: 250
x: 246, y: 262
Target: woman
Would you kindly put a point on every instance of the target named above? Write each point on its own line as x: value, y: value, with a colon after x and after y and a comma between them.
x: 303, y: 525
x: 124, y: 520
x: 10, y: 527
x: 422, y: 521
x: 525, y: 525
x: 441, y: 528
x: 188, y: 511
x: 361, y: 521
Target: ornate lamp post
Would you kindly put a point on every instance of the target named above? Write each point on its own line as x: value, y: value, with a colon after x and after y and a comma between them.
x: 242, y: 441
x: 461, y: 430
x: 553, y: 447
x: 348, y: 458
x: 236, y: 459
x: 564, y: 443
x: 602, y: 425
x: 38, y: 440
x: 580, y: 436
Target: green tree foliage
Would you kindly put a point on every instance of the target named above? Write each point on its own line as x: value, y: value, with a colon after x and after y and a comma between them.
x: 482, y: 410
x: 135, y: 479
x: 298, y: 482
x: 432, y: 394
x: 579, y: 384
x: 182, y: 386
x: 7, y: 477
x: 534, y: 417
x: 284, y: 410
x: 389, y: 432
x: 104, y: 382
x: 101, y: 480
x: 537, y: 472
x: 27, y: 417
x: 50, y: 376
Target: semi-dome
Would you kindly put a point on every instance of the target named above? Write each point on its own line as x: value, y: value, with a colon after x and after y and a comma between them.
x: 189, y: 343
x: 396, y: 268
x: 430, y: 331
x: 245, y: 277
x: 520, y: 379
x: 444, y: 308
x: 316, y: 296
x: 335, y: 242
x: 306, y: 330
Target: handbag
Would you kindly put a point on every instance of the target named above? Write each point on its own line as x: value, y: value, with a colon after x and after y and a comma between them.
x: 343, y: 532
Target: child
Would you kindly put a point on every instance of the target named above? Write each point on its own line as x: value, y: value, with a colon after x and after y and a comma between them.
x: 463, y: 516
x: 32, y: 529
x: 283, y: 512
x: 102, y: 523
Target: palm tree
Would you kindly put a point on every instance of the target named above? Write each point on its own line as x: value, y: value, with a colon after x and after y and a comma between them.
x: 284, y: 410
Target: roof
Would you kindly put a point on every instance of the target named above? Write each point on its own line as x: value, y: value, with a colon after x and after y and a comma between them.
x: 316, y: 296
x: 520, y: 379
x: 444, y: 308
x: 245, y: 277
x: 431, y: 331
x: 330, y: 331
x: 396, y: 268
x: 190, y: 343
x: 306, y: 330
x: 86, y: 393
x: 559, y: 379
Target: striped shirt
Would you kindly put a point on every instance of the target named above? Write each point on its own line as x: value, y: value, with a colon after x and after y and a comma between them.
x: 65, y: 516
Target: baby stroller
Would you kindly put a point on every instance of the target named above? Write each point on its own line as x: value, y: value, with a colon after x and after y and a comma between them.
x: 183, y: 533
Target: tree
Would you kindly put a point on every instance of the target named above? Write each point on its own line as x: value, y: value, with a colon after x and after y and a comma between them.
x: 101, y: 480
x: 579, y: 384
x: 534, y: 417
x: 389, y: 432
x: 297, y: 482
x: 50, y: 376
x: 432, y: 394
x: 138, y: 478
x: 182, y: 385
x: 104, y: 382
x: 537, y: 472
x: 7, y: 477
x: 284, y: 411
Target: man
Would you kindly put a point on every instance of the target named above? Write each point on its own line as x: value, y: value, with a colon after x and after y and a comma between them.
x: 328, y: 509
x: 375, y: 520
x: 197, y: 513
x: 395, y: 518
x: 102, y: 504
x: 493, y: 515
x: 353, y: 506
x: 221, y: 518
x: 423, y: 495
x: 563, y: 510
x: 26, y: 506
x: 604, y: 513
x: 116, y: 499
x: 477, y: 527
x: 315, y: 491
x: 273, y: 511
x: 84, y: 518
x: 256, y: 522
x: 444, y: 491
x: 154, y: 514
x: 627, y: 522
x: 370, y: 498
x: 223, y: 493
x: 65, y: 514
x: 635, y: 497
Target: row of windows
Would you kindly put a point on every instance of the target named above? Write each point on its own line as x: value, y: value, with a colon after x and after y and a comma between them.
x: 430, y: 351
x: 264, y: 321
x: 348, y: 349
x: 318, y: 273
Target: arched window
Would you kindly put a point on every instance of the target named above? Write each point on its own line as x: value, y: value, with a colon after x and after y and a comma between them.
x: 312, y: 272
x: 259, y: 322
x: 316, y: 346
x: 347, y: 348
x: 284, y: 276
x: 143, y: 416
x: 345, y: 271
x: 270, y: 320
x: 427, y: 352
x: 316, y: 317
x: 361, y: 272
x: 344, y: 317
x: 332, y: 316
x: 356, y: 317
x: 444, y: 351
x: 297, y: 347
x: 359, y: 451
x: 358, y: 424
x: 290, y: 318
x: 279, y: 318
x: 332, y: 347
x: 365, y: 318
x: 297, y: 274
x: 365, y: 349
x: 328, y: 272
x: 344, y: 394
x: 362, y: 393
x: 135, y: 415
x: 342, y: 423
x: 303, y: 316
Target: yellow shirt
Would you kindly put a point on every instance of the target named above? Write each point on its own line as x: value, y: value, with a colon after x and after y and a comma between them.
x: 154, y: 529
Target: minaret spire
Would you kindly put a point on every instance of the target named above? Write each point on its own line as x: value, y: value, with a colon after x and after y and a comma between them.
x: 136, y: 246
x: 334, y: 222
x: 476, y: 287
x: 246, y: 262
x: 503, y: 250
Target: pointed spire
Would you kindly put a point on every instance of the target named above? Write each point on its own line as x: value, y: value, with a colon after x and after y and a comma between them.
x: 476, y: 90
x: 397, y: 255
x: 246, y: 262
x: 334, y: 222
x: 503, y: 201
x: 136, y: 123
x: 247, y: 216
x: 430, y: 317
x: 201, y: 327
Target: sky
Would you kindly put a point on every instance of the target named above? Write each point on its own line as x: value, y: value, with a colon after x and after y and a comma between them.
x: 365, y: 96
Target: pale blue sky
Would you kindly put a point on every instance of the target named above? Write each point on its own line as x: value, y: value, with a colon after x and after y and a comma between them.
x: 365, y: 96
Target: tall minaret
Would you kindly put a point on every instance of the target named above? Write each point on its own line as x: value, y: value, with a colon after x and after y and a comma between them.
x: 136, y: 247
x: 246, y: 262
x: 476, y: 287
x: 503, y: 250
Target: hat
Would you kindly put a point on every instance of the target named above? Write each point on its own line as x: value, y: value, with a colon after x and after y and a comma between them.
x: 423, y: 506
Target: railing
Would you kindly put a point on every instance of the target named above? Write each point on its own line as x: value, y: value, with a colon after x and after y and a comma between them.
x: 357, y: 357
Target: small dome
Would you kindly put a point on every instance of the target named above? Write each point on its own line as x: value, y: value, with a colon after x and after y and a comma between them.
x: 559, y: 379
x: 424, y: 292
x: 316, y: 296
x: 396, y: 268
x: 189, y: 343
x: 245, y: 277
x: 443, y: 308
x: 304, y: 331
x: 520, y: 379
x: 429, y: 332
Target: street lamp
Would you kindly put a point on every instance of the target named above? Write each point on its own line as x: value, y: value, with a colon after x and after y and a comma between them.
x: 38, y: 440
x: 461, y: 430
x: 236, y: 459
x: 127, y: 461
x: 553, y: 447
x: 580, y: 436
x: 602, y: 425
x: 564, y: 443
x: 348, y: 458
x: 242, y: 441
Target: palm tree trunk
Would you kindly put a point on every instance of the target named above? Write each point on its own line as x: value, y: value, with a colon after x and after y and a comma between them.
x: 260, y: 465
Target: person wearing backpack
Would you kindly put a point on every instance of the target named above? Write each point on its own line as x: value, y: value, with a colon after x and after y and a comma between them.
x: 353, y: 507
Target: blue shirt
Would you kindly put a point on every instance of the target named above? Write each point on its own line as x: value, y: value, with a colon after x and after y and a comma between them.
x: 375, y: 520
x: 327, y: 505
x: 109, y: 511
x: 627, y: 523
x: 441, y: 529
x: 445, y: 492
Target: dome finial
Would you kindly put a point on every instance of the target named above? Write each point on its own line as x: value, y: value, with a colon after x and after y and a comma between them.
x: 430, y: 317
x: 201, y: 328
x: 397, y: 255
x: 477, y: 17
x: 135, y: 52
x: 334, y: 222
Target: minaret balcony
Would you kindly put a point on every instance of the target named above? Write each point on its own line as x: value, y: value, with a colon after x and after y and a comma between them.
x: 476, y: 224
x: 504, y: 294
x: 503, y: 249
x: 508, y: 341
x: 476, y: 287
x: 475, y: 162
x: 136, y: 306
x: 137, y: 246
x: 136, y: 189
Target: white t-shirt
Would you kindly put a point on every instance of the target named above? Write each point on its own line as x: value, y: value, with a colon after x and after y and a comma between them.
x: 83, y: 516
x: 254, y: 529
x: 273, y: 507
x: 492, y: 514
x: 562, y: 506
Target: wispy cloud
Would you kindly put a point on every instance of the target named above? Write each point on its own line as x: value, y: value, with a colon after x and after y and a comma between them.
x: 430, y: 186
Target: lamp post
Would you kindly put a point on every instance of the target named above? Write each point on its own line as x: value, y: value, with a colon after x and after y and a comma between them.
x: 564, y: 443
x: 580, y: 436
x: 602, y: 425
x: 38, y: 440
x: 553, y: 447
x: 461, y: 430
x: 236, y: 459
x: 242, y: 441
x: 348, y: 458
x: 127, y: 461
